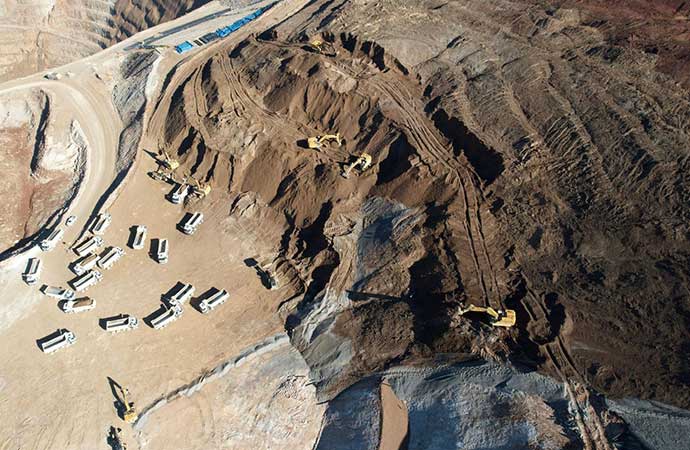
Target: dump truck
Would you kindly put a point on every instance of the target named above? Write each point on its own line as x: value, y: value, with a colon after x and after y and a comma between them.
x: 165, y: 316
x: 190, y: 223
x: 51, y: 240
x: 179, y: 294
x: 122, y: 322
x: 162, y: 251
x: 88, y: 246
x: 179, y: 193
x: 78, y: 305
x: 83, y: 265
x: 496, y: 317
x: 216, y: 299
x: 85, y: 281
x: 52, y: 343
x: 33, y: 270
x: 139, y: 238
x: 101, y: 223
x: 110, y: 257
x: 58, y: 292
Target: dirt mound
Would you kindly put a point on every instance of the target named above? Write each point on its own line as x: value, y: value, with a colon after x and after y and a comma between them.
x: 41, y: 166
x: 56, y: 32
x: 514, y: 165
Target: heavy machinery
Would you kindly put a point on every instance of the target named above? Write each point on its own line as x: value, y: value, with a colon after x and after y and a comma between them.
x: 363, y: 161
x: 129, y: 414
x: 162, y: 174
x: 497, y: 318
x: 318, y: 141
x: 199, y: 189
x: 114, y: 439
x: 168, y: 162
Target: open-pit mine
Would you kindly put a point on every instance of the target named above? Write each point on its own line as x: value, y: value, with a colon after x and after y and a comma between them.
x: 345, y: 224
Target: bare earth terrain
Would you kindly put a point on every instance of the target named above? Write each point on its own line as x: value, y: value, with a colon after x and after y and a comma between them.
x: 530, y: 156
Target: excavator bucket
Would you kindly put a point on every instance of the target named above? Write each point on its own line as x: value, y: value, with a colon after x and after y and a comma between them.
x: 313, y: 142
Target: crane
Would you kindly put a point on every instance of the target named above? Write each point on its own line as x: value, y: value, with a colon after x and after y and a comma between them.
x: 318, y: 141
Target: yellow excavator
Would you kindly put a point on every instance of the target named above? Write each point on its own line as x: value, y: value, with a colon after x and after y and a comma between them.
x: 322, y: 47
x: 199, y: 189
x: 497, y: 318
x: 363, y: 161
x: 168, y: 162
x: 162, y: 174
x: 318, y: 141
x: 129, y: 414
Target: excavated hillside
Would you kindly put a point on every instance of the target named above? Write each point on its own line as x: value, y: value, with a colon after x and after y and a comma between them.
x: 523, y: 158
x: 35, y: 36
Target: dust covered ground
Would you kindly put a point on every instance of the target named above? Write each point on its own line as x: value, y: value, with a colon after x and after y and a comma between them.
x: 531, y: 156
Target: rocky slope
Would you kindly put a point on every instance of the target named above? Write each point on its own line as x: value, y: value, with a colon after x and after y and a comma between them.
x: 517, y: 163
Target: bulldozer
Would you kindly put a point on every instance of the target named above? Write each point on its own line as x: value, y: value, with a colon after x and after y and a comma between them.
x: 497, y: 318
x: 363, y: 161
x: 166, y: 161
x: 199, y: 189
x: 318, y: 141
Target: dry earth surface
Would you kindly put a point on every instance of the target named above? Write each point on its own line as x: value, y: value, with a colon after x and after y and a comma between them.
x: 526, y: 155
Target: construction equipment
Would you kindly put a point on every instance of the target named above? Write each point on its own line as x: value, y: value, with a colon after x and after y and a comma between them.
x: 85, y: 281
x: 110, y: 257
x: 179, y: 193
x: 102, y: 223
x: 129, y: 414
x: 51, y: 240
x: 363, y: 161
x: 114, y: 439
x: 88, y: 246
x: 498, y: 318
x: 165, y: 316
x: 190, y: 223
x: 319, y: 46
x: 210, y: 302
x: 199, y: 189
x: 162, y: 174
x: 122, y: 322
x: 78, y: 305
x: 179, y: 294
x: 33, y: 270
x: 59, y: 293
x: 318, y: 141
x: 167, y: 161
x: 139, y: 237
x: 161, y: 255
x: 58, y: 340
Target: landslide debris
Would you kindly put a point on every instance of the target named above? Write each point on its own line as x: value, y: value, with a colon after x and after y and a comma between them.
x: 514, y: 167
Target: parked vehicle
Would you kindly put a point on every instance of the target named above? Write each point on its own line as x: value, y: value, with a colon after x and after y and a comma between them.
x: 102, y: 223
x: 165, y: 316
x: 32, y: 273
x: 70, y: 221
x: 78, y: 305
x: 179, y: 193
x: 51, y: 240
x: 162, y: 251
x: 139, y: 238
x: 211, y: 302
x: 83, y: 265
x: 88, y: 246
x: 122, y: 322
x: 180, y: 294
x: 85, y: 281
x: 58, y: 292
x: 190, y: 223
x: 62, y: 339
x: 110, y: 257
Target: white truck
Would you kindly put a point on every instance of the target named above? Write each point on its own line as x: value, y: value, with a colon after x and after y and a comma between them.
x: 179, y: 193
x: 32, y: 273
x: 102, y: 223
x: 122, y: 322
x: 78, y: 305
x: 85, y: 264
x: 179, y: 294
x: 85, y: 281
x: 139, y: 238
x: 110, y: 257
x: 88, y: 246
x: 162, y: 251
x: 52, y: 343
x: 58, y: 292
x: 165, y: 316
x: 50, y: 241
x: 190, y: 223
x: 214, y: 300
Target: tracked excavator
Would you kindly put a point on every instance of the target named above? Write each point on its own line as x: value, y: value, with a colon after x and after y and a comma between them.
x: 322, y: 47
x: 199, y: 189
x: 167, y: 162
x: 115, y: 440
x: 129, y: 414
x: 318, y: 141
x: 363, y: 161
x: 162, y: 174
x: 497, y: 318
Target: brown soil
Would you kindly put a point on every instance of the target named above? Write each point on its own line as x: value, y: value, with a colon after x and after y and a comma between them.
x: 516, y: 164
